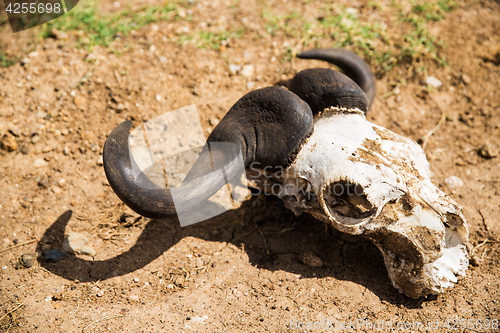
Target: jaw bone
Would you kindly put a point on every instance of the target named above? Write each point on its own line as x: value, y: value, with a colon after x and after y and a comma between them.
x: 366, y: 180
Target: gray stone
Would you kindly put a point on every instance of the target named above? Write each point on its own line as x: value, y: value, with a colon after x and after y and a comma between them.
x: 77, y: 243
x: 54, y: 255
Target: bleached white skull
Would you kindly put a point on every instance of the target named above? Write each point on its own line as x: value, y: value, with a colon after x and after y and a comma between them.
x: 358, y: 177
x: 366, y: 180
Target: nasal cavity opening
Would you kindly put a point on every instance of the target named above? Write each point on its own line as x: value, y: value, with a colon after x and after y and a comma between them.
x: 348, y: 200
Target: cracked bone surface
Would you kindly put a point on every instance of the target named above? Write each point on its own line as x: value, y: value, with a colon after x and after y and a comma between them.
x: 366, y: 180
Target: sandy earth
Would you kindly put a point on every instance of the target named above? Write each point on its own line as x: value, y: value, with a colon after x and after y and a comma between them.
x: 254, y: 269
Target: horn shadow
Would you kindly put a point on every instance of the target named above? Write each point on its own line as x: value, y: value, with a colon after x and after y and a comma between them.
x: 273, y: 248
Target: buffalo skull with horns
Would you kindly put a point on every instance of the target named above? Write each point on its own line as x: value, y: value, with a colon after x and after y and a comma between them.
x: 330, y: 162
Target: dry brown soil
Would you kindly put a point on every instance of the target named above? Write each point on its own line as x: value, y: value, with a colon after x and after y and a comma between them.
x: 251, y: 269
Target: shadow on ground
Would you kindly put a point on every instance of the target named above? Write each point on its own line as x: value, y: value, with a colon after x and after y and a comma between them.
x: 273, y: 241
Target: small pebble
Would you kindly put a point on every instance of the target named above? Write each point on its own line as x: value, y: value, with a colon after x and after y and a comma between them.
x: 25, y: 61
x: 162, y: 59
x: 247, y: 71
x: 233, y: 69
x: 77, y: 243
x: 351, y: 11
x: 120, y: 107
x: 250, y: 85
x: 133, y: 298
x: 54, y: 255
x: 100, y: 161
x: 43, y: 182
x: 79, y: 101
x: 66, y: 151
x: 213, y: 121
x: 136, y: 280
x: 58, y: 34
x: 88, y: 135
x: 310, y: 259
x: 433, y: 82
x: 100, y: 293
x: 199, y: 319
x: 9, y: 143
x: 15, y: 130
x: 27, y: 260
x: 158, y: 97
x: 454, y: 182
x: 62, y: 183
x: 487, y: 152
x: 39, y: 163
x: 48, y: 298
x: 466, y: 79
x: 35, y: 139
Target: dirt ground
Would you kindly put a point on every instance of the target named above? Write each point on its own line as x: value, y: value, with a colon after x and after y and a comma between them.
x: 244, y: 270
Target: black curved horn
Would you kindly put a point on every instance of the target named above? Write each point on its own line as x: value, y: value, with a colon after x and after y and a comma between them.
x: 269, y: 126
x: 141, y: 194
x: 323, y: 88
x: 350, y: 63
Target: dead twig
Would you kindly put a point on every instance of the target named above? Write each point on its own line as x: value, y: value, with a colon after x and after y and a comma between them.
x: 74, y: 311
x: 484, y: 222
x: 478, y: 246
x: 204, y: 267
x: 102, y: 319
x: 11, y: 311
x: 246, y: 234
x: 84, y: 77
x: 117, y: 78
x: 289, y: 226
x: 428, y: 135
x: 18, y: 245
x: 263, y: 237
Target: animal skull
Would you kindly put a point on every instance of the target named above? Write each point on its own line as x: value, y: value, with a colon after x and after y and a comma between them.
x: 356, y: 176
x: 366, y: 180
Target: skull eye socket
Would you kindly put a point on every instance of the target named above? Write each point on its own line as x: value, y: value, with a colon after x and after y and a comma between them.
x: 345, y: 199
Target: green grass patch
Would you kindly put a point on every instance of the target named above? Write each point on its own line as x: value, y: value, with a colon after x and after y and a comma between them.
x: 341, y: 27
x: 7, y: 60
x: 102, y: 29
x: 433, y: 10
x: 419, y: 42
x: 209, y: 39
x: 398, y: 35
x: 344, y: 30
